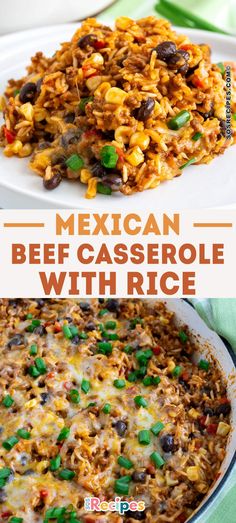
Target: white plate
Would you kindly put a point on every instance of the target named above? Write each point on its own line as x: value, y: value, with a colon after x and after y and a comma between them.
x: 205, y: 186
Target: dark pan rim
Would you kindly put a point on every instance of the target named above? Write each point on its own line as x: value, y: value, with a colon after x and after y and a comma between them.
x: 227, y: 473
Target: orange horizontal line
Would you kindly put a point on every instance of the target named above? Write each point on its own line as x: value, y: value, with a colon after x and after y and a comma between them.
x: 23, y: 224
x: 213, y: 225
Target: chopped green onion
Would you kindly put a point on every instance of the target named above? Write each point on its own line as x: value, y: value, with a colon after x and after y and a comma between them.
x: 85, y: 386
x: 177, y: 371
x: 156, y: 429
x: 67, y: 331
x: 132, y: 377
x: 9, y: 443
x: 128, y: 349
x: 105, y: 347
x: 24, y: 434
x: 36, y: 323
x: 83, y: 335
x: 92, y: 404
x: 33, y: 371
x: 41, y: 365
x: 156, y: 380
x: 74, y: 396
x: 197, y: 137
x: 110, y: 325
x: 140, y: 401
x: 54, y: 513
x: 119, y: 383
x: 66, y: 474
x: 103, y: 189
x: 16, y: 92
x: 63, y: 434
x: 7, y: 401
x: 109, y: 156
x: 74, y: 330
x: 143, y: 355
x: 157, y: 460
x: 121, y: 487
x: 55, y: 463
x: 189, y: 162
x: 107, y: 408
x: 221, y: 67
x: 134, y: 322
x: 75, y: 162
x: 204, y: 365
x: 113, y: 336
x: 102, y: 312
x: 234, y: 116
x: 84, y: 102
x: 142, y: 371
x: 33, y: 350
x: 29, y: 316
x: 125, y: 462
x: 183, y: 336
x: 5, y: 473
x: 147, y: 381
x: 179, y: 120
x: 144, y: 437
x: 15, y: 520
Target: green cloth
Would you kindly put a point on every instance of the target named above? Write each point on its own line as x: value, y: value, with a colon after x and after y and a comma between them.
x: 220, y: 315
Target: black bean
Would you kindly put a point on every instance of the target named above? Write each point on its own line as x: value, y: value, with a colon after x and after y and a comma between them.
x: 87, y: 40
x: 75, y: 340
x: 109, y: 134
x: 179, y: 62
x: 162, y: 507
x: 69, y: 118
x: 98, y: 170
x: 121, y: 427
x: 1, y: 430
x: 85, y: 306
x: 222, y: 127
x: 28, y: 472
x: 43, y: 145
x: 28, y: 92
x: 144, y: 111
x: 90, y: 326
x: 208, y: 114
x: 114, y: 181
x: 40, y: 330
x: 101, y: 300
x: 58, y: 159
x: 224, y: 409
x: 39, y: 85
x: 139, y: 477
x: 53, y: 182
x: 44, y: 398
x: 13, y: 303
x: 3, y: 496
x: 71, y: 136
x: 165, y: 50
x: 113, y: 305
x: 139, y: 515
x: 23, y: 460
x: 17, y: 340
x: 40, y: 302
x: 208, y: 411
x: 167, y: 442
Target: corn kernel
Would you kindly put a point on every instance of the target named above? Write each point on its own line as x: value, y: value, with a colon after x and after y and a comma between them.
x: 60, y: 404
x: 42, y: 465
x: 102, y: 89
x: 171, y: 482
x: 92, y: 188
x: 27, y: 111
x: 123, y: 22
x: 122, y: 134
x: 95, y: 60
x: 223, y: 429
x: 2, y: 103
x: 135, y: 157
x: 140, y: 139
x: 193, y: 473
x: 93, y: 83
x: 170, y: 365
x: 31, y: 403
x: 193, y: 413
x: 115, y: 95
x: 26, y: 150
x: 85, y: 175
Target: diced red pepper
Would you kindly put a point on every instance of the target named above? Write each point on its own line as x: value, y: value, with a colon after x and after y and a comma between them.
x: 99, y: 44
x: 91, y: 132
x: 6, y: 514
x: 185, y: 376
x: 197, y: 445
x: 121, y: 154
x: 202, y: 421
x: 156, y: 350
x: 57, y: 327
x: 198, y: 82
x: 50, y: 375
x: 43, y: 494
x: 182, y: 518
x: 67, y: 385
x: 9, y: 135
x: 151, y: 469
x: 212, y: 428
x: 224, y: 400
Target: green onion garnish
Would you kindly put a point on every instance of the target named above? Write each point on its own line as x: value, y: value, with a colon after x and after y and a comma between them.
x: 105, y: 347
x: 66, y: 474
x: 29, y: 316
x: 7, y: 401
x: 63, y: 434
x: 33, y: 371
x: 183, y: 336
x: 147, y: 381
x: 125, y: 462
x: 24, y: 434
x: 9, y: 443
x: 85, y: 386
x: 112, y: 336
x: 33, y: 350
x: 189, y: 162
x: 179, y: 120
x: 109, y: 156
x: 75, y: 162
x: 107, y: 408
x: 156, y: 380
x: 36, y: 323
x: 144, y: 437
x: 110, y: 325
x: 221, y: 67
x: 83, y: 335
x: 67, y: 332
x: 121, y: 487
x: 74, y: 330
x: 144, y: 355
x: 74, y: 396
x: 41, y: 365
x: 119, y: 383
x: 84, y: 102
x: 54, y: 513
x: 103, y: 189
x: 177, y: 371
x: 204, y: 365
x: 234, y: 116
x: 55, y: 463
x: 134, y: 322
x: 132, y: 377
x: 140, y: 401
x: 128, y: 349
x: 156, y: 429
x: 15, y: 520
x: 157, y: 460
x: 5, y: 473
x: 197, y: 137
